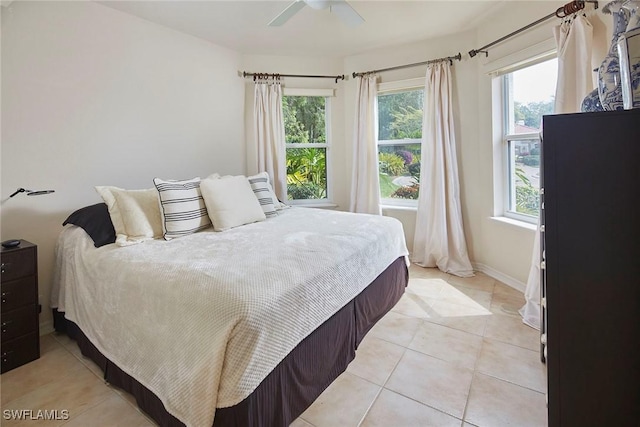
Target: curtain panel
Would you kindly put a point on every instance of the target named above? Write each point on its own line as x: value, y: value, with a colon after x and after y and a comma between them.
x: 269, y: 132
x: 575, y: 77
x: 365, y: 184
x: 574, y: 38
x: 439, y: 234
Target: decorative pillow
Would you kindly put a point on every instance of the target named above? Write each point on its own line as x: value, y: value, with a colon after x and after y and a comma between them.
x: 279, y: 204
x: 230, y: 202
x: 276, y: 202
x: 134, y: 213
x: 182, y: 207
x: 95, y: 220
x: 264, y: 194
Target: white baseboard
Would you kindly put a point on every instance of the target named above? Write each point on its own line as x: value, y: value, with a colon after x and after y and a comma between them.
x: 507, y: 280
x: 46, y: 327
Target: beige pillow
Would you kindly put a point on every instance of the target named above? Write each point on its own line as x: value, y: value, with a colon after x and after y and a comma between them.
x: 135, y: 214
x: 230, y: 202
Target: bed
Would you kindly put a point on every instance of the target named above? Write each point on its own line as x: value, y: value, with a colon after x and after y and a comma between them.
x: 244, y: 327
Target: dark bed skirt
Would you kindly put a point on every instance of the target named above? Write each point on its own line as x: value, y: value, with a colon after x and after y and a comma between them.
x: 297, y: 380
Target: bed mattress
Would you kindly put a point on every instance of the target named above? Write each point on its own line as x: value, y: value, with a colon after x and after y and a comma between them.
x: 202, y: 320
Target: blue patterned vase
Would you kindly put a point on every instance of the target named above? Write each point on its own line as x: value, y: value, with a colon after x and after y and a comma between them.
x: 633, y: 7
x: 609, y: 87
x: 629, y: 55
x: 591, y: 102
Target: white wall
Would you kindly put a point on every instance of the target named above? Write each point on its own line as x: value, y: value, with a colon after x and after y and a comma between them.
x: 465, y: 93
x: 500, y: 249
x: 343, y: 104
x: 92, y: 96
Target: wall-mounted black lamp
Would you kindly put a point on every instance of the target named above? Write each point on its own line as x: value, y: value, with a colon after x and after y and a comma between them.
x: 12, y: 243
x: 32, y: 192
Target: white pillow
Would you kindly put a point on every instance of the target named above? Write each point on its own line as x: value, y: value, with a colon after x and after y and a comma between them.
x: 263, y: 192
x: 182, y: 208
x: 230, y: 202
x: 135, y: 214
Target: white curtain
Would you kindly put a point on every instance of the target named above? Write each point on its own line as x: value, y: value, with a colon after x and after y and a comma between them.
x: 575, y: 81
x: 269, y: 133
x: 439, y: 234
x: 575, y: 75
x: 365, y: 184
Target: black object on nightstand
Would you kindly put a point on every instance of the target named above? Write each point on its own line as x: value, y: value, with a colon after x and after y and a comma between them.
x: 20, y: 324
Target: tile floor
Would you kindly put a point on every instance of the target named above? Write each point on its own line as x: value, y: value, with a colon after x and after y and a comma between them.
x: 452, y: 352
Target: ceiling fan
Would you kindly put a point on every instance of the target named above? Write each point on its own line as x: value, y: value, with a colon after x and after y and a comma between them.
x: 341, y: 8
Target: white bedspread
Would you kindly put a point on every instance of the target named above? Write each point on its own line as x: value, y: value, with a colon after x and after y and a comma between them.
x: 203, y: 319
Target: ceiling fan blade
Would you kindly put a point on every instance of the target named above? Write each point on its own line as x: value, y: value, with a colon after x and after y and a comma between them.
x: 346, y: 13
x: 286, y: 14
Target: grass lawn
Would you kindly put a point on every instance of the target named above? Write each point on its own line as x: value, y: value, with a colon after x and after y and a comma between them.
x: 386, y: 186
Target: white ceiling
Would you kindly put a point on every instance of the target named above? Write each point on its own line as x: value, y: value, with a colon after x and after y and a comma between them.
x: 242, y: 25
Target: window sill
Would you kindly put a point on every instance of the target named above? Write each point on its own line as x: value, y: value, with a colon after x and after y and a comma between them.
x: 515, y: 222
x: 321, y: 205
x: 399, y: 208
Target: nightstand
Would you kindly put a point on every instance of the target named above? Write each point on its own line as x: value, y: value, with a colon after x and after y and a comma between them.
x: 20, y: 325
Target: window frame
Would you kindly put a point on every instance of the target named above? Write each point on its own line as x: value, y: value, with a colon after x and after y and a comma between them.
x: 389, y: 88
x: 327, y: 94
x: 509, y: 189
x: 505, y: 120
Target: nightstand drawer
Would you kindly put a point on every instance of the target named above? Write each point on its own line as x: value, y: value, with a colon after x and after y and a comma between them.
x: 17, y: 264
x: 17, y: 293
x: 19, y: 322
x: 20, y: 351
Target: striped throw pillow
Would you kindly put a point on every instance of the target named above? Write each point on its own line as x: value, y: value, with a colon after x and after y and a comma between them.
x: 262, y: 190
x: 182, y: 207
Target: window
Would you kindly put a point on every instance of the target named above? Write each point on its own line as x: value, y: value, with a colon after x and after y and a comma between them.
x: 306, y: 128
x: 399, y: 145
x: 527, y: 94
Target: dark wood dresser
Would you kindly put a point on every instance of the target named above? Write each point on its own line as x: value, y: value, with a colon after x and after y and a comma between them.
x: 20, y: 309
x: 590, y: 241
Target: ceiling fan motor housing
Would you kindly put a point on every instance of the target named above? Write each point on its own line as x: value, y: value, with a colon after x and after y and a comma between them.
x: 318, y: 4
x: 339, y: 7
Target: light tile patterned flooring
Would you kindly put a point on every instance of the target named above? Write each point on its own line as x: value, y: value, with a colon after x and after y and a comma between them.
x: 452, y: 352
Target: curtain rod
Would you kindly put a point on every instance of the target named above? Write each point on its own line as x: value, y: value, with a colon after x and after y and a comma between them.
x: 257, y: 76
x: 457, y: 57
x: 561, y: 12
